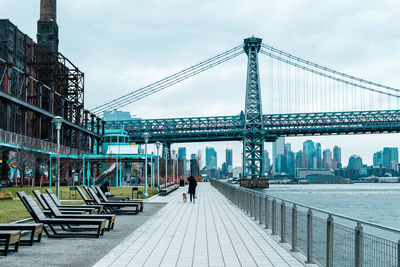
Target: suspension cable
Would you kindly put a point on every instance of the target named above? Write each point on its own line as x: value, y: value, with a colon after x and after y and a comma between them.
x: 170, y: 80
x: 290, y: 56
x: 325, y: 75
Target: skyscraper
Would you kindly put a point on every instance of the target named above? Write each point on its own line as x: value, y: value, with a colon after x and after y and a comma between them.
x: 182, y: 153
x: 390, y: 157
x: 267, y: 162
x: 327, y: 159
x: 278, y: 148
x: 229, y: 160
x: 337, y: 157
x: 291, y: 164
x: 211, y: 158
x: 308, y: 154
x: 355, y: 163
x: 377, y: 160
x: 318, y: 155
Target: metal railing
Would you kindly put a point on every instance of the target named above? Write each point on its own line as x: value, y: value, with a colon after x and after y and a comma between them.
x: 325, y: 238
x: 30, y: 143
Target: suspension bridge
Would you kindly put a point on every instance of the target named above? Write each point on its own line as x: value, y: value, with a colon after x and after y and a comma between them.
x: 305, y: 98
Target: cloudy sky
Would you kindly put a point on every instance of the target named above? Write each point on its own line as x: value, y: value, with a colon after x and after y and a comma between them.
x: 124, y: 45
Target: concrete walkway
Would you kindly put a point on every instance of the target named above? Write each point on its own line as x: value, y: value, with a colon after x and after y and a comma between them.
x: 211, y: 232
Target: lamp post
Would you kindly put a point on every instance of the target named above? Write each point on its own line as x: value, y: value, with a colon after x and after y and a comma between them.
x: 177, y: 167
x: 146, y: 139
x: 166, y: 165
x: 158, y: 144
x: 57, y: 121
x: 173, y: 166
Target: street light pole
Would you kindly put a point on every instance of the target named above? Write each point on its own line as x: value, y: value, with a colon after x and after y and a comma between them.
x: 57, y: 121
x: 146, y: 139
x: 158, y: 144
x: 166, y: 165
x: 173, y: 166
x: 177, y: 167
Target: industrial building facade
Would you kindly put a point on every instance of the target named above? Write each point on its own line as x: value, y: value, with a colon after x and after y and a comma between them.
x: 38, y: 83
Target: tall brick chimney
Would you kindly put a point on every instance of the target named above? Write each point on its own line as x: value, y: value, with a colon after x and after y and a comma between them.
x: 47, y: 30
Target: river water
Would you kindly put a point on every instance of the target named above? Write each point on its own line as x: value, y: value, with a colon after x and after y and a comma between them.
x: 377, y: 203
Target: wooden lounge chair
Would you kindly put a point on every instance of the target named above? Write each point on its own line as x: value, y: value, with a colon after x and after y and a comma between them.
x: 36, y: 229
x: 98, y: 208
x: 57, y: 214
x: 46, y: 208
x: 116, y: 207
x: 39, y: 217
x: 104, y: 198
x: 10, y: 237
x: 88, y: 201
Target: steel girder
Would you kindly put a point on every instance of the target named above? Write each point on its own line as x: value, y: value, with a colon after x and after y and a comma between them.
x: 229, y: 128
x: 253, y: 137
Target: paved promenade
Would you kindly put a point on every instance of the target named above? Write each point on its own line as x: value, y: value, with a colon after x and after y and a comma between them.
x: 211, y: 232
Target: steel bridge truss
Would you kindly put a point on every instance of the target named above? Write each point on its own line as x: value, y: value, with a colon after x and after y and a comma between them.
x: 230, y: 128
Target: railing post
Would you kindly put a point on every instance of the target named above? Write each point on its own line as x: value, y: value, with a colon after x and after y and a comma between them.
x: 259, y: 208
x: 294, y: 228
x: 255, y: 206
x: 274, y: 216
x: 329, y: 241
x: 266, y: 212
x: 358, y: 245
x: 309, y: 237
x: 251, y: 204
x: 283, y: 221
x: 398, y: 253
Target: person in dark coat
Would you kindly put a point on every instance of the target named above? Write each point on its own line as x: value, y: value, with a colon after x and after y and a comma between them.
x: 192, y: 188
x: 105, y: 188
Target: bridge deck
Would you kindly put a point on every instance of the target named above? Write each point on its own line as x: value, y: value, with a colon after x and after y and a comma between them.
x: 211, y: 232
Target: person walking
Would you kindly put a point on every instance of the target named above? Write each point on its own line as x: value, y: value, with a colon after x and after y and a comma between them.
x: 192, y: 188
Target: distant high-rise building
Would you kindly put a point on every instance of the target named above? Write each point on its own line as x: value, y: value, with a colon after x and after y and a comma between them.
x: 229, y: 160
x: 287, y: 148
x: 337, y: 157
x: 182, y: 153
x: 267, y: 162
x: 355, y: 163
x: 318, y: 155
x: 278, y: 147
x: 327, y: 159
x: 377, y: 159
x: 390, y: 157
x: 291, y: 163
x: 299, y: 159
x: 308, y: 154
x: 281, y: 164
x: 211, y: 158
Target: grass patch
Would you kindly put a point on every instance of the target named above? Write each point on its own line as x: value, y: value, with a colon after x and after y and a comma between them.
x: 66, y: 194
x: 13, y: 210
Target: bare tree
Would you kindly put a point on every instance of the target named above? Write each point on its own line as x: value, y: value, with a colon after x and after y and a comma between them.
x: 24, y: 159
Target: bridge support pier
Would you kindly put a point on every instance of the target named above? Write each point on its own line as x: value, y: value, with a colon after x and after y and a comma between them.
x: 253, y: 140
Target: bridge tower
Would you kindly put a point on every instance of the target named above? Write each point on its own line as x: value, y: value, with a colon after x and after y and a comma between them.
x: 253, y: 139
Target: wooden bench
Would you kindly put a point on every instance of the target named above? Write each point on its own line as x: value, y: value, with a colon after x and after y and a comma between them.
x: 35, y: 229
x: 170, y: 188
x: 10, y: 237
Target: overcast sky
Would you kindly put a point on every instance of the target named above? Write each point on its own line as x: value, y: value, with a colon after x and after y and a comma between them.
x: 124, y: 45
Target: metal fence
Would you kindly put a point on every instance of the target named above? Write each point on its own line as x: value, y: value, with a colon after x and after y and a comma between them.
x: 26, y: 142
x: 325, y: 238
